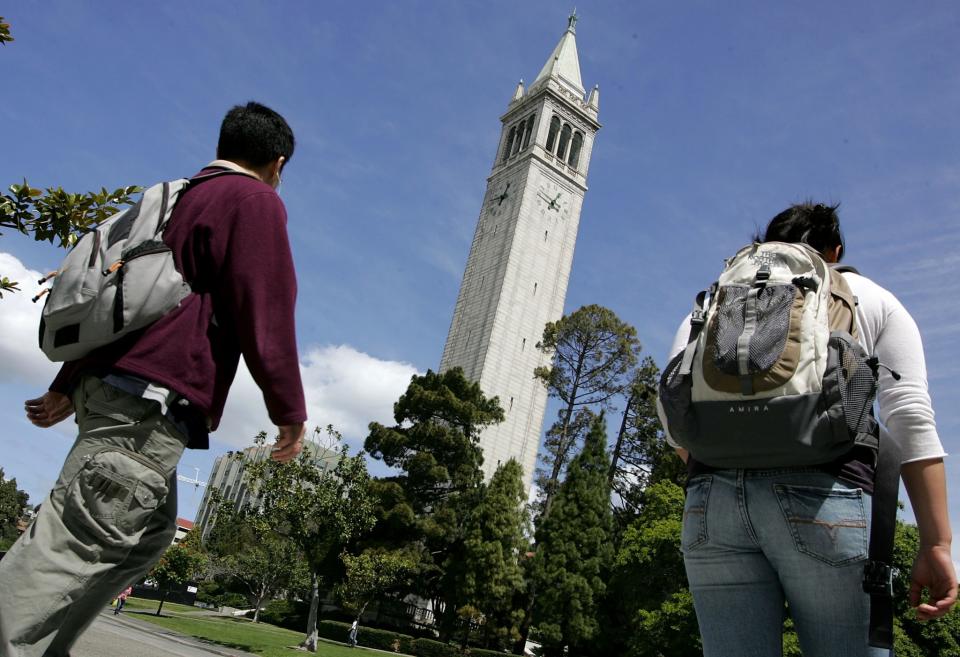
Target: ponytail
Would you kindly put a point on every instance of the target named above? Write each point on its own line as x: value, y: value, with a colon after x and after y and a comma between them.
x: 814, y: 224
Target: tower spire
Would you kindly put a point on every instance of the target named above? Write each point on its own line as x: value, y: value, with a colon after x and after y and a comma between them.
x: 564, y: 62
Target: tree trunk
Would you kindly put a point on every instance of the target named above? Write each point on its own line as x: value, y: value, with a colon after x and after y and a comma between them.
x: 256, y: 611
x: 310, y: 641
x: 562, y: 457
x: 163, y: 596
x: 620, y: 435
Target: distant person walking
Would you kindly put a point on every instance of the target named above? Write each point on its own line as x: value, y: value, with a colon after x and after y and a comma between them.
x: 140, y: 401
x: 122, y: 600
x: 755, y: 538
x: 353, y: 633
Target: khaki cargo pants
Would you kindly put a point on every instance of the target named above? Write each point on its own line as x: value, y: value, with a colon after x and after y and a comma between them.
x: 108, y: 519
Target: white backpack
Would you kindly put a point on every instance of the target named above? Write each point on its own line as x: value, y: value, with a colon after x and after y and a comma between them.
x: 773, y: 374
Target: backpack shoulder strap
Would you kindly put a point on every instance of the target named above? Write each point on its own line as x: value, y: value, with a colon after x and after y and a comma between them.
x: 843, y: 304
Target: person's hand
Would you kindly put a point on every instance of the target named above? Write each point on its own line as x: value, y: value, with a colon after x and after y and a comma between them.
x: 933, y: 570
x: 289, y: 442
x: 46, y: 411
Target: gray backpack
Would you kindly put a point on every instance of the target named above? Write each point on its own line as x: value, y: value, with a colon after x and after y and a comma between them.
x: 773, y: 374
x: 120, y: 277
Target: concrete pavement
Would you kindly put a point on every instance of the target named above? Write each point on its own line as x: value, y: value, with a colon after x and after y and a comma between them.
x: 125, y: 636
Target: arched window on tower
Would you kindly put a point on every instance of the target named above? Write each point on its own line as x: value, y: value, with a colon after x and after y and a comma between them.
x: 509, y: 144
x: 517, y: 138
x: 552, y: 135
x: 575, y: 147
x: 528, y: 131
x: 564, y: 142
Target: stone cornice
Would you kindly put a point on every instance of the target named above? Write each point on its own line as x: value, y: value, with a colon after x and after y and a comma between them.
x: 546, y: 161
x: 559, y: 93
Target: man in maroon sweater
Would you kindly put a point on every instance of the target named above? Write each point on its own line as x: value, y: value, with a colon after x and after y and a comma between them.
x: 140, y: 401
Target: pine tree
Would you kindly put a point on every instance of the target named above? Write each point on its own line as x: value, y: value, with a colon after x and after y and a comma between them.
x: 574, y: 552
x: 435, y: 446
x: 593, y: 352
x: 489, y: 579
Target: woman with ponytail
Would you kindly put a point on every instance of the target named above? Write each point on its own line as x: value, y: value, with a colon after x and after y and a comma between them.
x: 754, y: 540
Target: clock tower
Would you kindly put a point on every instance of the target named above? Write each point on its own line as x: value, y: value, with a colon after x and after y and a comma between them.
x: 519, y: 264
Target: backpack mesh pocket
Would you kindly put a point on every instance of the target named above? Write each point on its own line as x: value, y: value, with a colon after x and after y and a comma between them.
x: 676, y: 401
x: 772, y: 327
x: 856, y: 379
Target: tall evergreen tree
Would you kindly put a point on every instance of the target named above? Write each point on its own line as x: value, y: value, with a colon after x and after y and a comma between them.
x: 574, y: 552
x: 489, y: 579
x: 641, y: 454
x: 648, y: 596
x: 435, y: 446
x: 593, y: 352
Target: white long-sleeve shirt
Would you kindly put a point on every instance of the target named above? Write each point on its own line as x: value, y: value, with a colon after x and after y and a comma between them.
x: 888, y: 331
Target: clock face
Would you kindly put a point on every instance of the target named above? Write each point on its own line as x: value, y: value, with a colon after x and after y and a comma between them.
x: 553, y: 200
x: 501, y: 198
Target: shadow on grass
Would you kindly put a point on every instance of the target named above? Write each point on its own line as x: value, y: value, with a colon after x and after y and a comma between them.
x: 143, y: 612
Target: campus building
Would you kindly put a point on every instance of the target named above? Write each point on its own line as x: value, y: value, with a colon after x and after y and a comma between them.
x: 228, y: 477
x: 183, y: 528
x: 519, y: 264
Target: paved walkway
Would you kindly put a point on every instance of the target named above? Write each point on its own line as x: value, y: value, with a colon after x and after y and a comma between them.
x: 125, y: 636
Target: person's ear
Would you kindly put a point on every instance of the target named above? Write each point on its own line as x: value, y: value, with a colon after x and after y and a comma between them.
x: 276, y: 168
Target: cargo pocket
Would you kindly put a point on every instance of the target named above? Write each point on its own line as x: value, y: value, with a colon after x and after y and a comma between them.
x: 827, y: 524
x: 113, y: 496
x: 695, y: 513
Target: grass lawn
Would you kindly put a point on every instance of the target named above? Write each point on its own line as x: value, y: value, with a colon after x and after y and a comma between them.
x: 239, y: 633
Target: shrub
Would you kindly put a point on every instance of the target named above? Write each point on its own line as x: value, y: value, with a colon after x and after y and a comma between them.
x: 429, y: 648
x: 235, y: 600
x: 286, y: 613
x: 333, y: 630
x: 369, y: 637
x: 480, y: 652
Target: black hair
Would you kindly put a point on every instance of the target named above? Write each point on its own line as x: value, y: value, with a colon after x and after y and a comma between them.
x: 255, y: 135
x: 815, y: 224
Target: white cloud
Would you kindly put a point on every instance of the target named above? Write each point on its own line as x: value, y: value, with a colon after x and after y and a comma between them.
x: 344, y: 387
x: 21, y: 360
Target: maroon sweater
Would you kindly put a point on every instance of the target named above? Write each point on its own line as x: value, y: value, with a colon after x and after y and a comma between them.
x: 229, y: 240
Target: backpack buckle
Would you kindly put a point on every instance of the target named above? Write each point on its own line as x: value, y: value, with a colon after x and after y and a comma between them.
x: 763, y: 274
x: 878, y: 578
x: 697, y: 317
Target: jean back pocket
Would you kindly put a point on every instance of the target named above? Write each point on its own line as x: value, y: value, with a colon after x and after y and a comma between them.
x: 829, y: 524
x: 695, y: 513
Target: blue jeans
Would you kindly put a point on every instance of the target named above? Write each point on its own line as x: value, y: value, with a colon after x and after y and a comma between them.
x: 754, y: 539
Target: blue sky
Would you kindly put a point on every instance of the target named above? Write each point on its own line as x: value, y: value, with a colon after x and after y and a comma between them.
x: 716, y: 116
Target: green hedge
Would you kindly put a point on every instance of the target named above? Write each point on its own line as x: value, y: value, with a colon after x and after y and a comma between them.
x: 429, y: 648
x: 286, y: 613
x: 367, y: 636
x: 481, y: 652
x: 384, y: 640
x: 334, y: 630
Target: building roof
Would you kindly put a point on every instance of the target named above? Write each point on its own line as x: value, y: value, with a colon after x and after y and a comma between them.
x: 186, y: 524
